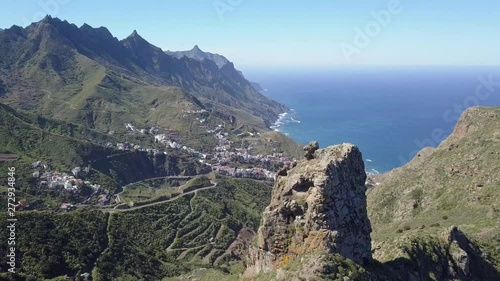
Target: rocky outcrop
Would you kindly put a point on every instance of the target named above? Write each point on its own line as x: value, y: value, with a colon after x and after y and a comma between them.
x: 467, y: 261
x: 456, y: 257
x: 317, y: 206
x: 310, y: 149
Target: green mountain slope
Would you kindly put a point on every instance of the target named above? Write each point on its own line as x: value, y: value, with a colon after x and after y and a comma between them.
x: 205, y: 229
x: 50, y: 245
x: 436, y: 218
x: 455, y: 184
x: 34, y: 138
x: 30, y: 138
x: 85, y: 75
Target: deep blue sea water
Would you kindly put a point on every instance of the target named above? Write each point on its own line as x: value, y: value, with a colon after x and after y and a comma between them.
x: 389, y: 113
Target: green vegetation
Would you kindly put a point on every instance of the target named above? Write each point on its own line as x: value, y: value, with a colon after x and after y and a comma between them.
x: 191, y: 232
x: 453, y: 185
x: 168, y: 239
x: 64, y: 146
x: 273, y: 142
x: 50, y: 245
x: 195, y: 183
x: 34, y: 137
x: 77, y: 99
x: 103, y: 83
x: 150, y: 189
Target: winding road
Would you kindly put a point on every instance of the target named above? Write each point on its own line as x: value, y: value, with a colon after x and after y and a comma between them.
x: 114, y: 209
x: 150, y: 179
x: 159, y: 202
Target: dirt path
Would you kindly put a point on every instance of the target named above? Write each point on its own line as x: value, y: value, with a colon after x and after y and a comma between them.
x: 63, y: 101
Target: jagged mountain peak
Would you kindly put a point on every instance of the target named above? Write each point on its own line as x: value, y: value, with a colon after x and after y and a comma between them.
x: 66, y: 48
x: 221, y: 61
x: 101, y: 31
x: 72, y: 31
x: 86, y: 26
x: 141, y: 48
x: 47, y: 18
x: 138, y: 39
x: 135, y: 34
x: 197, y: 54
x: 54, y: 21
x: 15, y: 29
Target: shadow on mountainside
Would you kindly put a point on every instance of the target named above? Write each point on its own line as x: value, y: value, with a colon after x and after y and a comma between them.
x: 459, y: 259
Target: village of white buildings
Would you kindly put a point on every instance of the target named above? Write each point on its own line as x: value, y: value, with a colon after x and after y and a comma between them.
x: 219, y: 161
x: 223, y: 154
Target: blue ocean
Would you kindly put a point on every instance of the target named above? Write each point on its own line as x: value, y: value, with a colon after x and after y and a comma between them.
x: 390, y: 113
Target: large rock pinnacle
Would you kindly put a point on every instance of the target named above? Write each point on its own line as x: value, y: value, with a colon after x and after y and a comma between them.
x: 318, y: 206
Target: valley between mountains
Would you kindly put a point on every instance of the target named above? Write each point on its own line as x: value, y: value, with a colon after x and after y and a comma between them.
x: 135, y: 163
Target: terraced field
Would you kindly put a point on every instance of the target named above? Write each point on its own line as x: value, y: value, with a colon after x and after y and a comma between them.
x: 206, y: 228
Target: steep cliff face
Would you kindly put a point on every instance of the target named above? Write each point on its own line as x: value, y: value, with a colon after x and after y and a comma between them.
x: 454, y: 184
x: 317, y: 206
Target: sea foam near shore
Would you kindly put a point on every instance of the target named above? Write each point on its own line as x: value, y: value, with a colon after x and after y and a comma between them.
x: 285, y: 118
x: 290, y: 117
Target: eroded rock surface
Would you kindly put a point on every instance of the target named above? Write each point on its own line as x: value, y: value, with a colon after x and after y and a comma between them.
x: 318, y: 206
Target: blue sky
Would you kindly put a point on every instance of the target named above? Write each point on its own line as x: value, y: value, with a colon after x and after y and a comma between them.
x: 294, y: 33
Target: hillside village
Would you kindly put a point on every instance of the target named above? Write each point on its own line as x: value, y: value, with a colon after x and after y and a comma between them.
x: 222, y: 155
x: 224, y: 160
x: 72, y: 185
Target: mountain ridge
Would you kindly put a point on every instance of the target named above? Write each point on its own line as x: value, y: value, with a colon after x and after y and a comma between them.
x: 220, y: 60
x: 452, y: 185
x: 77, y: 97
x: 71, y: 55
x: 197, y: 54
